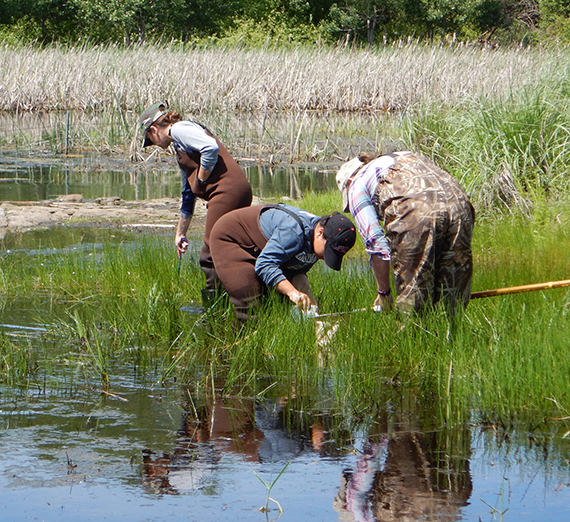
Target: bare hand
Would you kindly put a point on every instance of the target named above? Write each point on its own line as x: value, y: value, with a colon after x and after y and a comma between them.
x: 302, y: 300
x: 384, y: 301
x: 181, y: 245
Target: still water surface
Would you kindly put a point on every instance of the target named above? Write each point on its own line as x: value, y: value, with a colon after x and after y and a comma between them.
x: 152, y: 451
x: 25, y: 178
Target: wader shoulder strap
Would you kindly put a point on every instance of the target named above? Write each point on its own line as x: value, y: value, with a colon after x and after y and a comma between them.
x: 279, y: 206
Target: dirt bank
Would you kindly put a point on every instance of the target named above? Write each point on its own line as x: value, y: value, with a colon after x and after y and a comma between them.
x: 19, y: 216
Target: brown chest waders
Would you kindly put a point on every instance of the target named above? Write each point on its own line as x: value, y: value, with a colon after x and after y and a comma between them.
x: 226, y: 189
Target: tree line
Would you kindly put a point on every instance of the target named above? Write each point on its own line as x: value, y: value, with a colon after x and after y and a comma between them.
x: 256, y: 22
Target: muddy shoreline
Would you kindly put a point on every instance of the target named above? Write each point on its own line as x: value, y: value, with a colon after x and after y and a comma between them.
x: 18, y: 217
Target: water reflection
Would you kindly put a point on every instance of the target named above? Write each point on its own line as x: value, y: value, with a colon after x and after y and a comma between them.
x: 39, y: 179
x: 47, y: 177
x: 400, y: 473
x: 405, y: 476
x: 253, y: 430
x: 217, y: 425
x: 394, y: 466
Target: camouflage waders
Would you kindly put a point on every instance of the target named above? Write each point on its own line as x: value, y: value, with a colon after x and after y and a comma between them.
x: 428, y: 222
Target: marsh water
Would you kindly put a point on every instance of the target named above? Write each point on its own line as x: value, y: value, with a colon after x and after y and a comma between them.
x: 149, y: 449
x: 36, y: 179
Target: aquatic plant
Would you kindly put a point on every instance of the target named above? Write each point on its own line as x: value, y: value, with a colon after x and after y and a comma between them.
x: 504, y: 358
x: 17, y: 362
x: 509, y: 154
x: 269, y: 487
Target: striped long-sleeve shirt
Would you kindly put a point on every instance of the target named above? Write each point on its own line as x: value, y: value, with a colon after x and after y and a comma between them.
x: 360, y: 201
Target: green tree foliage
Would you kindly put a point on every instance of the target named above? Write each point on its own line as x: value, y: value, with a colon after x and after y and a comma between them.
x: 137, y: 21
x: 363, y: 20
x: 555, y: 18
x: 354, y: 22
x: 43, y: 20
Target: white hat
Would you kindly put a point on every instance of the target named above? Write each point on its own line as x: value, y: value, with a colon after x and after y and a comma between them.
x: 343, y: 175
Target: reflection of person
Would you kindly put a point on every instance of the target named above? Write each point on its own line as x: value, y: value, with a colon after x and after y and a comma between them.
x: 407, y: 476
x: 208, y: 172
x: 218, y: 425
x: 264, y: 431
x: 275, y: 246
x: 411, y: 212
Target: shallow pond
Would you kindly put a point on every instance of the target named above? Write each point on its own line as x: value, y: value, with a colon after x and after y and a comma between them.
x: 150, y: 450
x: 37, y: 178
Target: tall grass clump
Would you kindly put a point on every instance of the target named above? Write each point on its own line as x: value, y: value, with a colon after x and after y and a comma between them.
x: 17, y: 362
x: 502, y: 360
x: 509, y: 154
x: 121, y: 303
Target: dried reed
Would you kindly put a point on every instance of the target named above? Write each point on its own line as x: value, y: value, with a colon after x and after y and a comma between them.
x: 392, y: 78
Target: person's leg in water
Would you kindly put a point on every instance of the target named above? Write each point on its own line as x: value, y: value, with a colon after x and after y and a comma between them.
x: 218, y: 206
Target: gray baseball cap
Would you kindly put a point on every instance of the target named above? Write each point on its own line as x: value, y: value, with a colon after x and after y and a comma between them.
x: 148, y: 117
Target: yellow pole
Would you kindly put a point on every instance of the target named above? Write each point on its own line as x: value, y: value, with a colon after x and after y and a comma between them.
x: 519, y: 289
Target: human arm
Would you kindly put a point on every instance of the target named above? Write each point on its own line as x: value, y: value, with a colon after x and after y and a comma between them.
x: 203, y: 174
x: 366, y: 218
x: 191, y: 137
x: 285, y: 247
x: 180, y: 240
x: 381, y: 269
x: 186, y: 213
x: 360, y: 200
x: 299, y: 298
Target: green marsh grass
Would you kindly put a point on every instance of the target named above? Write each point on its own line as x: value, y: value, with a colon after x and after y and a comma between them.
x: 504, y: 359
x: 17, y: 361
x: 508, y: 154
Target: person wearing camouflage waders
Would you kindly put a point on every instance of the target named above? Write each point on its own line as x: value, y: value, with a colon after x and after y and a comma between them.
x: 208, y: 172
x: 414, y: 214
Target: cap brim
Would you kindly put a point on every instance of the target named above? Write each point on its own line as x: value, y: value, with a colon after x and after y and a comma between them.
x: 345, y: 199
x: 345, y: 172
x: 332, y: 258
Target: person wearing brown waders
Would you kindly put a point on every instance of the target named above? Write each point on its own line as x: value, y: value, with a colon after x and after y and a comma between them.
x: 208, y: 171
x: 415, y: 215
x: 274, y: 246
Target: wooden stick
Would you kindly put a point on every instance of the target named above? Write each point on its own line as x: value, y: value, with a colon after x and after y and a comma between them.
x: 519, y: 289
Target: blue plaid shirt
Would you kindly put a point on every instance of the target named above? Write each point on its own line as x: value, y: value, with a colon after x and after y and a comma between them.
x: 360, y: 202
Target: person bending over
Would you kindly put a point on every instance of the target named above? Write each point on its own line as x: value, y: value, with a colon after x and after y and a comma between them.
x: 414, y: 214
x: 274, y: 246
x: 208, y: 172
